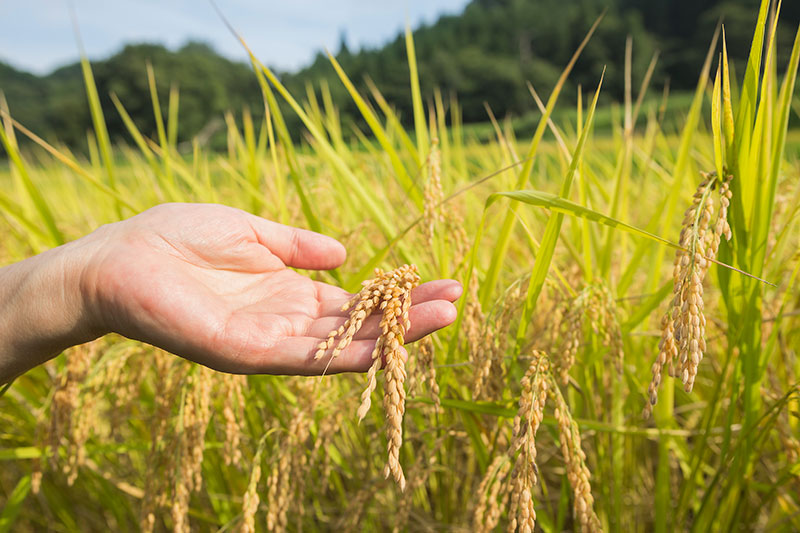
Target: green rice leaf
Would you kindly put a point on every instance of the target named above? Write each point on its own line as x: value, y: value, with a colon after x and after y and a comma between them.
x: 357, y: 187
x: 274, y: 114
x: 100, y: 129
x: 716, y: 123
x: 548, y: 244
x: 14, y: 503
x: 420, y: 124
x: 562, y: 205
x: 504, y: 239
x: 728, y: 127
x: 42, y: 207
x: 400, y: 172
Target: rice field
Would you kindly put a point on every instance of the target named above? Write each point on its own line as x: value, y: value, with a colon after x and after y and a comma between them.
x: 625, y: 356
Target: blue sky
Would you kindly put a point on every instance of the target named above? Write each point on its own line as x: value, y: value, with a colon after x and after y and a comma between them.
x: 37, y: 35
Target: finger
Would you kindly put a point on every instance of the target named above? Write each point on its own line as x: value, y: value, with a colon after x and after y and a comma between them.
x: 295, y: 356
x: 332, y: 298
x: 425, y: 318
x: 439, y: 289
x: 298, y: 248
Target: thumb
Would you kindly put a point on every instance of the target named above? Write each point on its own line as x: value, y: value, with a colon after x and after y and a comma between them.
x: 299, y: 248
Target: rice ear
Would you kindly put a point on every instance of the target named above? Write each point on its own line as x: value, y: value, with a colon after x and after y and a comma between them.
x: 390, y: 292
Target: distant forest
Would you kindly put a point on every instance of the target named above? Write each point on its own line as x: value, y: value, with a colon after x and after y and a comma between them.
x: 485, y: 54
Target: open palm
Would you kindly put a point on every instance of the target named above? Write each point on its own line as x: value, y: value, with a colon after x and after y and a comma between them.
x: 211, y: 283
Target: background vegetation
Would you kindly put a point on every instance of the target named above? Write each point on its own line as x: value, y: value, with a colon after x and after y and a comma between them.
x: 486, y: 54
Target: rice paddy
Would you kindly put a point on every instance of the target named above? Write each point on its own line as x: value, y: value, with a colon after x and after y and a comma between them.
x: 646, y: 269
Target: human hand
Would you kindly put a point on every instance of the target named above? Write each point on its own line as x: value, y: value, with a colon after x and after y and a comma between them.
x: 210, y: 283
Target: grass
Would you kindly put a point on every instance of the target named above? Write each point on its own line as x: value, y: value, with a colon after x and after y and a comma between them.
x: 575, y: 213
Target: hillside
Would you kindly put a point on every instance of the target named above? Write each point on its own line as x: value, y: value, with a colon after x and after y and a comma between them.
x: 55, y: 105
x: 486, y: 54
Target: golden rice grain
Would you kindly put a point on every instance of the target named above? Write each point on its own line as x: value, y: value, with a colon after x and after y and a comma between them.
x: 522, y: 515
x: 287, y: 477
x: 596, y: 304
x: 66, y: 399
x: 195, y: 416
x: 233, y: 414
x: 278, y: 484
x: 424, y: 371
x: 538, y: 385
x: 683, y: 341
x: 433, y: 195
x: 251, y: 498
x: 491, y: 496
x: 161, y: 459
x: 487, y: 354
x: 575, y: 459
x: 573, y: 322
x: 394, y: 402
x: 390, y: 292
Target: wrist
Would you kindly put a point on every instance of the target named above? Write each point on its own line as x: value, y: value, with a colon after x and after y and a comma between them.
x: 46, y: 308
x: 79, y: 266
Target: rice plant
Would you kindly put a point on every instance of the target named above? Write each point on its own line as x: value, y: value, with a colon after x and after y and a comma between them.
x: 527, y: 412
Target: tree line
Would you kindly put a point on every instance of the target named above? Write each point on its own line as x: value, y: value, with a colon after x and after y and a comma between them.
x: 485, y: 54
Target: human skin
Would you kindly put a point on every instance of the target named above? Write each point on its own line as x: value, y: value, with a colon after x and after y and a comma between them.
x: 206, y: 282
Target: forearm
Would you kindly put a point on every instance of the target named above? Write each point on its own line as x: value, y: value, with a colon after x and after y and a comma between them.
x: 43, y: 308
